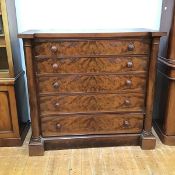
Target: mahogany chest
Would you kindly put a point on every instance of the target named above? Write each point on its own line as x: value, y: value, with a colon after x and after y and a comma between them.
x: 91, y: 89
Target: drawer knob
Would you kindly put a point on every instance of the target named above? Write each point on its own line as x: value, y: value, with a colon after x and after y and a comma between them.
x: 55, y: 66
x: 128, y: 82
x: 130, y: 64
x: 130, y: 47
x: 58, y: 126
x: 125, y: 123
x: 57, y: 104
x: 54, y: 49
x: 127, y: 102
x: 56, y: 85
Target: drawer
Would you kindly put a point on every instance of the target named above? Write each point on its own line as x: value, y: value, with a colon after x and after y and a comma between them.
x: 88, y: 65
x: 91, y: 83
x: 91, y: 103
x: 91, y: 124
x: 75, y: 48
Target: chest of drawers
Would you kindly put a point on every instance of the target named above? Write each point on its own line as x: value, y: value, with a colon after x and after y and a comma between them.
x: 90, y: 89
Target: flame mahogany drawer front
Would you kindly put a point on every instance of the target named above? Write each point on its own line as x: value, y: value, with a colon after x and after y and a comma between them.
x: 90, y: 65
x: 81, y: 48
x: 92, y: 103
x: 91, y: 124
x: 91, y: 83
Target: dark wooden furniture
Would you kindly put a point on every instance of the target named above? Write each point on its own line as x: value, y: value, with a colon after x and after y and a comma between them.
x: 91, y: 89
x: 14, y: 122
x: 164, y: 114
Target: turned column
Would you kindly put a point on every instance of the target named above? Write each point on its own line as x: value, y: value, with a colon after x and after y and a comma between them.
x: 32, y: 90
x: 36, y: 146
x: 148, y: 140
x: 151, y: 84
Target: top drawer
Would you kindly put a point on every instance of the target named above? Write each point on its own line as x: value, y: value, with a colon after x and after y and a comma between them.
x: 81, y: 48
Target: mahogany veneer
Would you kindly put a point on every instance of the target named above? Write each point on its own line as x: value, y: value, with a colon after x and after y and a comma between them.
x: 86, y: 83
x: 112, y: 64
x: 91, y: 89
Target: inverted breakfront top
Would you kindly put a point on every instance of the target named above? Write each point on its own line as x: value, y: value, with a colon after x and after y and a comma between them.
x: 90, y: 33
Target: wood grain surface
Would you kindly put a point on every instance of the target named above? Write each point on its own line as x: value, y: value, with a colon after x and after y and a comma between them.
x: 91, y: 47
x: 115, y: 64
x: 92, y: 103
x: 9, y: 127
x: 91, y: 83
x: 5, y: 113
x: 91, y: 124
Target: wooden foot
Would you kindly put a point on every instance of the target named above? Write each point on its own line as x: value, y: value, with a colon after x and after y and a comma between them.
x: 36, y: 147
x: 147, y: 140
x: 165, y: 139
x: 16, y: 141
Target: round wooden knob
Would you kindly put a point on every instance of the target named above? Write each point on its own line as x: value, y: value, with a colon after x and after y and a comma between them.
x: 56, y: 85
x: 128, y: 82
x: 125, y: 123
x: 57, y: 104
x: 131, y: 47
x: 54, y: 49
x: 127, y: 102
x: 55, y: 66
x: 58, y: 126
x: 130, y: 64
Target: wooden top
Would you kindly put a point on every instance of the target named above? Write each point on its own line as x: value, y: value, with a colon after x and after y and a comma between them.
x: 91, y: 33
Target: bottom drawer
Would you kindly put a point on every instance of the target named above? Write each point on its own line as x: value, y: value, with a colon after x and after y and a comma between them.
x: 91, y: 124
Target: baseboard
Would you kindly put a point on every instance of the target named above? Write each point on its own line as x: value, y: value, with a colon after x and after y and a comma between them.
x: 167, y: 140
x: 13, y: 142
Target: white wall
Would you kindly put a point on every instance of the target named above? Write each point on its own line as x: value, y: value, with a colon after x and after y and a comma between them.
x: 88, y: 14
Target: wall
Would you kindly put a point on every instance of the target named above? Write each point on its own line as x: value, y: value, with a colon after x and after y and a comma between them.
x: 89, y: 14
